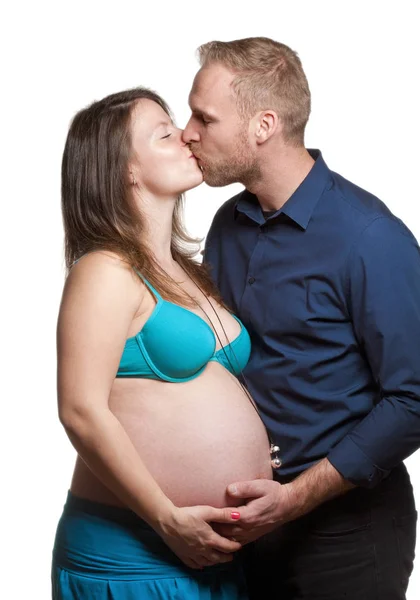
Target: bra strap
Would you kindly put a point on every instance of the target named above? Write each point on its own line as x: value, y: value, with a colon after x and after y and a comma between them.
x: 149, y: 285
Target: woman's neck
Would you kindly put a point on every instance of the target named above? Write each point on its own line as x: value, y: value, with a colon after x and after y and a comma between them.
x: 157, y: 214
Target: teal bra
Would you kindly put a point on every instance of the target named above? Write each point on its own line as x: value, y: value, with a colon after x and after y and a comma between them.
x: 176, y: 345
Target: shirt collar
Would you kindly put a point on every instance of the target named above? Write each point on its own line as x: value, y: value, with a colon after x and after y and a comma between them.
x: 301, y: 204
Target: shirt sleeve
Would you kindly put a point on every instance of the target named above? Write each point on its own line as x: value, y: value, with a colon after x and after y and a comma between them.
x: 383, y: 292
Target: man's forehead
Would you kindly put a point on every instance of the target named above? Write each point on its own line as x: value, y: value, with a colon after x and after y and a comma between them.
x: 212, y: 87
x: 211, y: 75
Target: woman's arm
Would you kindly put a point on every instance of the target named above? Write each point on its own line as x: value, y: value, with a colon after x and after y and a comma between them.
x: 100, y: 299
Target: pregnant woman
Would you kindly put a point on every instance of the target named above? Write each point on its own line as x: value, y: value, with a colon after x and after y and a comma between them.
x: 147, y: 364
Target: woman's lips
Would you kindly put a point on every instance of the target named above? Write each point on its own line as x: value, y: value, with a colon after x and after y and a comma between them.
x: 199, y: 163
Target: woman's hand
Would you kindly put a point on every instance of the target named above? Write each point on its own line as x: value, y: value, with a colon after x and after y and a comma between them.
x: 188, y: 532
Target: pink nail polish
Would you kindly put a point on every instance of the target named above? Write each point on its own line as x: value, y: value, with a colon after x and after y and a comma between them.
x: 235, y: 515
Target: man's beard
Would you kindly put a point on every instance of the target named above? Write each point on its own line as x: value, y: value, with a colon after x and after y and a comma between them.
x: 241, y: 167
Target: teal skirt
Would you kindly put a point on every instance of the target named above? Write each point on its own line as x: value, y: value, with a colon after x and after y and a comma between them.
x: 108, y: 553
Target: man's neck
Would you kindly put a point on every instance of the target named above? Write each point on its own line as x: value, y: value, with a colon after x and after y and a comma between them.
x: 281, y: 174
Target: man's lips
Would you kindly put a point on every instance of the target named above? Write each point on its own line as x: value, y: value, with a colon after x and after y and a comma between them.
x: 198, y: 159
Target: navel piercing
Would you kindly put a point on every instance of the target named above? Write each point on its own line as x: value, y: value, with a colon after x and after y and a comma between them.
x: 275, y: 458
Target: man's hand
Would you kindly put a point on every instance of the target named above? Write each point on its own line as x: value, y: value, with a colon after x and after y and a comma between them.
x: 269, y: 504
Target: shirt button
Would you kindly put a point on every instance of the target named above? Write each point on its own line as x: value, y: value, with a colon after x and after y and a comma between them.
x: 251, y: 280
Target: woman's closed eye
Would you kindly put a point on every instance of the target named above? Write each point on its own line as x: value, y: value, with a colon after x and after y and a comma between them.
x: 166, y: 136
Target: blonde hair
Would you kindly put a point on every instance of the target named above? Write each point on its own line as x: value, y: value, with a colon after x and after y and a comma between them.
x: 269, y: 75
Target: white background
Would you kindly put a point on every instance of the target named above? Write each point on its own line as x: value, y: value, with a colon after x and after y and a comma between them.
x: 362, y: 62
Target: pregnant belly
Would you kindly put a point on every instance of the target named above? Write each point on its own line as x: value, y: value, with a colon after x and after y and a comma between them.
x: 196, y: 437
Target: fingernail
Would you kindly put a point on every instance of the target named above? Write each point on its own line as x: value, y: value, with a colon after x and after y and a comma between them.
x: 235, y: 515
x: 232, y: 489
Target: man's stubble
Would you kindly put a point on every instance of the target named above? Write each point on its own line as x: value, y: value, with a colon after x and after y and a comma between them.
x: 241, y: 167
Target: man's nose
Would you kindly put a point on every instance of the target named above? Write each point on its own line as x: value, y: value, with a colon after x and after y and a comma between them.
x: 190, y: 134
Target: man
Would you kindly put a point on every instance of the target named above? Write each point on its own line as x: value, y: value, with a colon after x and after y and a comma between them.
x: 327, y: 281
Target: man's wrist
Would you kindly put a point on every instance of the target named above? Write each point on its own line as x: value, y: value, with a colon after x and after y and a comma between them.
x: 318, y: 484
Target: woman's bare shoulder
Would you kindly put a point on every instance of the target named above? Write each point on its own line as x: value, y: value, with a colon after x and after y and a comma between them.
x: 102, y: 271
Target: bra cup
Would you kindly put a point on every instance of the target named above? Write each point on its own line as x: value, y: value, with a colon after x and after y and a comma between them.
x: 176, y: 344
x: 179, y: 343
x: 235, y: 356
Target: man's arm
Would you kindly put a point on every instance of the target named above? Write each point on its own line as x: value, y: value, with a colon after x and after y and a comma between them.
x: 316, y: 485
x: 270, y: 504
x: 383, y: 286
x: 383, y: 278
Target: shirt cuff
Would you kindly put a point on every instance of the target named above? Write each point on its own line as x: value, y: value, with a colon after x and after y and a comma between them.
x: 354, y: 465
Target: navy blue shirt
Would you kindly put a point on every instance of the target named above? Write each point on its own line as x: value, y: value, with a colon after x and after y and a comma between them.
x: 329, y: 289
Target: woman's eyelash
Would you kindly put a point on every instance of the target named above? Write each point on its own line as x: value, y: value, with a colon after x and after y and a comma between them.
x: 166, y: 136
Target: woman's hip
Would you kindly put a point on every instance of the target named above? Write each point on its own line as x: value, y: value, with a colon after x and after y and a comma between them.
x: 98, y: 541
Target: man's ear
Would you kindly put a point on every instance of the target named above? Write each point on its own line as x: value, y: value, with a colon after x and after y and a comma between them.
x: 265, y: 124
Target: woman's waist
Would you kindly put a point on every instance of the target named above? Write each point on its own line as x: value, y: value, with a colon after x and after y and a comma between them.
x: 109, y: 542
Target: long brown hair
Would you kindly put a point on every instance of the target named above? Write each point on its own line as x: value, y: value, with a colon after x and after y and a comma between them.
x: 98, y: 212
